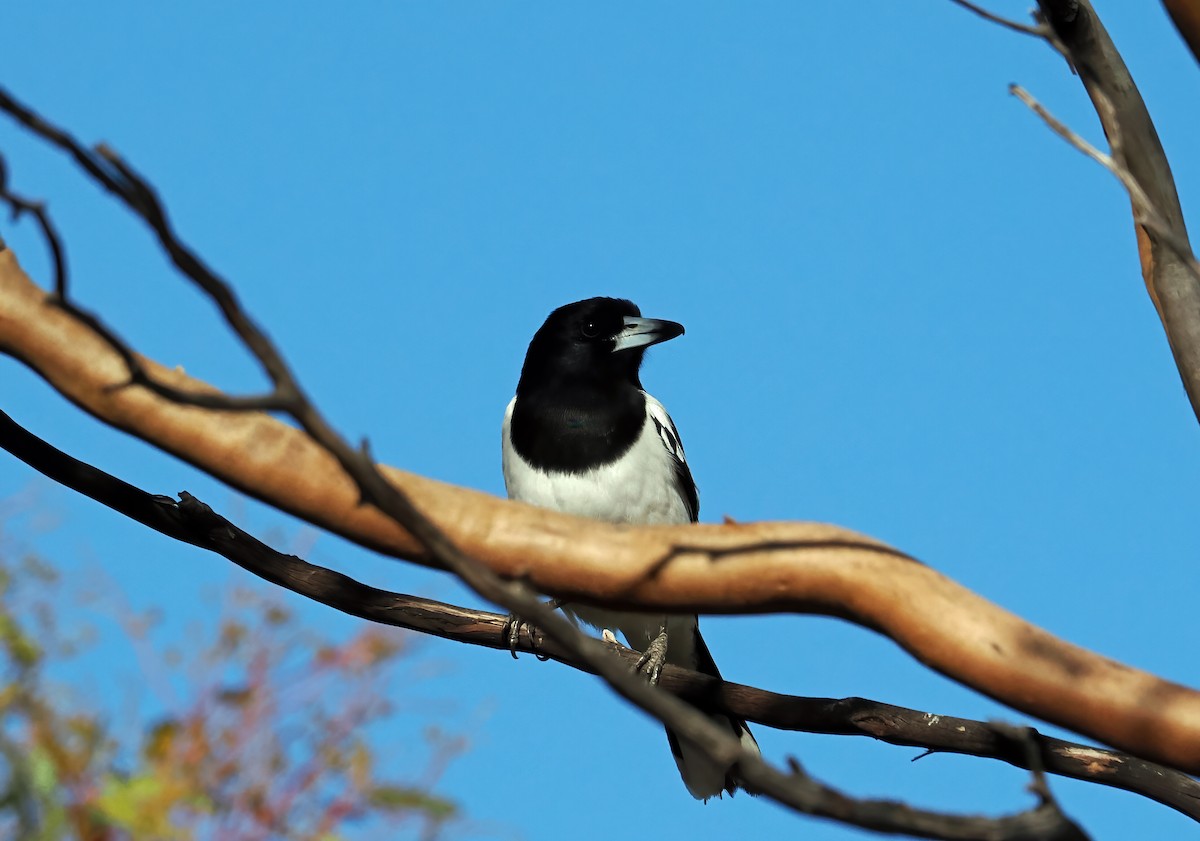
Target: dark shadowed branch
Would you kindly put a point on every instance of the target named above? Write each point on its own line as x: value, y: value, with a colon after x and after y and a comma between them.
x: 119, y: 178
x: 191, y: 521
x: 480, y: 546
x: 795, y: 789
x: 20, y: 206
x: 793, y: 566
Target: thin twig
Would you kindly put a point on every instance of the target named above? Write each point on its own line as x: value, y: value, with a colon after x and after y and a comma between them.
x: 1145, y: 212
x: 1039, y: 30
x: 1026, y: 739
x: 138, y: 375
x: 120, y: 179
x: 37, y: 210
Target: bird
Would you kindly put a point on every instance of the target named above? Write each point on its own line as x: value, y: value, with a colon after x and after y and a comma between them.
x: 582, y: 436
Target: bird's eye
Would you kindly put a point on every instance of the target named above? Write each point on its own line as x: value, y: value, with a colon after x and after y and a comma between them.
x: 590, y: 329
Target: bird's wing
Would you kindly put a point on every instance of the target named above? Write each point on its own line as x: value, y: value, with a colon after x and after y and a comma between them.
x: 669, y: 435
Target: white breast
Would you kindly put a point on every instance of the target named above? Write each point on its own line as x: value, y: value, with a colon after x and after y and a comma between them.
x: 638, y: 488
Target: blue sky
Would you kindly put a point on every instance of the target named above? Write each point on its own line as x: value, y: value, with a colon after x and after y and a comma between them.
x: 910, y: 310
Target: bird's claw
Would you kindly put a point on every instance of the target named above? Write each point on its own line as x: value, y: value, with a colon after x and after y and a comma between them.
x: 653, y: 658
x: 514, y: 624
x: 511, y: 630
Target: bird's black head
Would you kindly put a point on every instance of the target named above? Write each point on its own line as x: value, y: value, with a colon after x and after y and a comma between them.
x: 599, y: 340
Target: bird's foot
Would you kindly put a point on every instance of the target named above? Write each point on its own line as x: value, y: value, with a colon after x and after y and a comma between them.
x: 653, y: 658
x: 513, y: 626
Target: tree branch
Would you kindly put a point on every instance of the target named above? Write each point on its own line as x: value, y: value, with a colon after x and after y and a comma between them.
x: 193, y: 522
x: 1039, y: 31
x: 1169, y: 268
x: 762, y: 567
x: 395, y: 504
x: 1146, y: 213
x: 796, y: 790
x: 432, y: 543
x: 1185, y: 14
x: 1166, y: 264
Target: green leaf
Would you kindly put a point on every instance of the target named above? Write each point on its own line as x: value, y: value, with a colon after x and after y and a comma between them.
x: 406, y: 798
x: 42, y: 772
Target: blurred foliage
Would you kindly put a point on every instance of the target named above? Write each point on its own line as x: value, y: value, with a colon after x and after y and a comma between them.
x: 264, y: 734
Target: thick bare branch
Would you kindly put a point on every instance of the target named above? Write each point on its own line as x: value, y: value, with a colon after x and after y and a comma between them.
x: 1168, y: 265
x: 193, y: 522
x: 1186, y: 16
x: 436, y: 542
x: 796, y: 790
x: 1136, y: 147
x: 803, y: 567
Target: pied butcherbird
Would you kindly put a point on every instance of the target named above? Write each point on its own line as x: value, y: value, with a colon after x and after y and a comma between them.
x: 582, y: 436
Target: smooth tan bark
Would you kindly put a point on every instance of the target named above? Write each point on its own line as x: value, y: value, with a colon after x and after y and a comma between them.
x: 733, y: 568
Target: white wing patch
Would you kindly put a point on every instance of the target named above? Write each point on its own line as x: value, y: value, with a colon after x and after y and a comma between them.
x: 666, y: 428
x: 685, y: 487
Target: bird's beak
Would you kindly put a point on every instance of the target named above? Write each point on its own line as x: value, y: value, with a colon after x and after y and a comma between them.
x: 643, y: 332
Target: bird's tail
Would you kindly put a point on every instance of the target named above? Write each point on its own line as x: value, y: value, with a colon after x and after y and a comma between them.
x: 703, y: 777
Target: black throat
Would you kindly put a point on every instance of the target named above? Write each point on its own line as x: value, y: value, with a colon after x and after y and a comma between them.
x: 571, y: 428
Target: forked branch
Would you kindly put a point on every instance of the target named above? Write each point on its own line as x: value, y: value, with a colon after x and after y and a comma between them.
x: 435, y: 545
x: 191, y: 521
